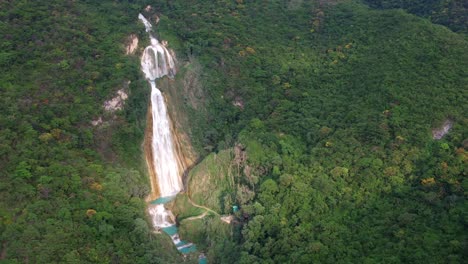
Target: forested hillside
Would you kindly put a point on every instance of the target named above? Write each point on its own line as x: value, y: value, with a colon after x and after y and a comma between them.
x: 326, y: 108
x: 451, y: 13
x: 71, y: 192
x: 334, y: 104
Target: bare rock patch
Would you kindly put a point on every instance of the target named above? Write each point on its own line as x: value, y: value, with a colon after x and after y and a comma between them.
x: 439, y: 132
x: 132, y: 44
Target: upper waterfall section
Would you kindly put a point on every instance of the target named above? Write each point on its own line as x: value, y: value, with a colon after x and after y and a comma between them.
x: 156, y: 61
x: 147, y: 24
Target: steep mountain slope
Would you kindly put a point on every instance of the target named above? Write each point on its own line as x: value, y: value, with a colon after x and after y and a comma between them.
x: 71, y: 191
x: 335, y: 105
x: 450, y: 13
x: 325, y: 108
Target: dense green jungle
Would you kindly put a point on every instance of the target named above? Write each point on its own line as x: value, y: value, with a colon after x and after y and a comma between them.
x: 316, y: 118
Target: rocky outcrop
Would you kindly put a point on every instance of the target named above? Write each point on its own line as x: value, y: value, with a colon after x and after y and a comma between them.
x: 439, y: 132
x: 117, y: 102
x: 97, y: 122
x: 131, y: 44
x: 112, y: 105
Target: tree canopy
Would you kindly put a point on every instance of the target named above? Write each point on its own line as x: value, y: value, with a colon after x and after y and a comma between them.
x: 331, y: 105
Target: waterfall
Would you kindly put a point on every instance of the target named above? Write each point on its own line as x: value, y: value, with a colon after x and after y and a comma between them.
x: 164, y: 156
x: 157, y: 62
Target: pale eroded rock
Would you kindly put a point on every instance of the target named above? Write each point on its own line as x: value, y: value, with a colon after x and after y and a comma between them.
x: 117, y: 102
x: 97, y: 121
x: 440, y: 132
x: 132, y: 44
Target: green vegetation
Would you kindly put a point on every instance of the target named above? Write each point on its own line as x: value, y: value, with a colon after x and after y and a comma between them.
x: 209, y: 234
x: 211, y: 183
x: 451, y: 13
x: 315, y: 118
x: 334, y: 104
x: 182, y: 208
x: 71, y: 192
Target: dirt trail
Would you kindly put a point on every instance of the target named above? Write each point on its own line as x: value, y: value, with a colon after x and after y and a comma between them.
x: 201, y: 206
x: 195, y: 217
x: 197, y: 205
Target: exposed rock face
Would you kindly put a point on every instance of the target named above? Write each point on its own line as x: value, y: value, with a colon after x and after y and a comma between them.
x: 440, y: 132
x: 97, y: 121
x: 156, y: 20
x: 227, y: 218
x: 112, y: 105
x: 132, y: 44
x: 238, y: 102
x: 117, y: 102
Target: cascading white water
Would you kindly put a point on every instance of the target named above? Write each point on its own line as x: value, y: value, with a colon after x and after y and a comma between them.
x: 147, y: 24
x: 160, y: 216
x: 157, y: 62
x: 165, y: 159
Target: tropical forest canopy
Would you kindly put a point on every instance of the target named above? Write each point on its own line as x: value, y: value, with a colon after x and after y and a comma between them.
x: 332, y: 102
